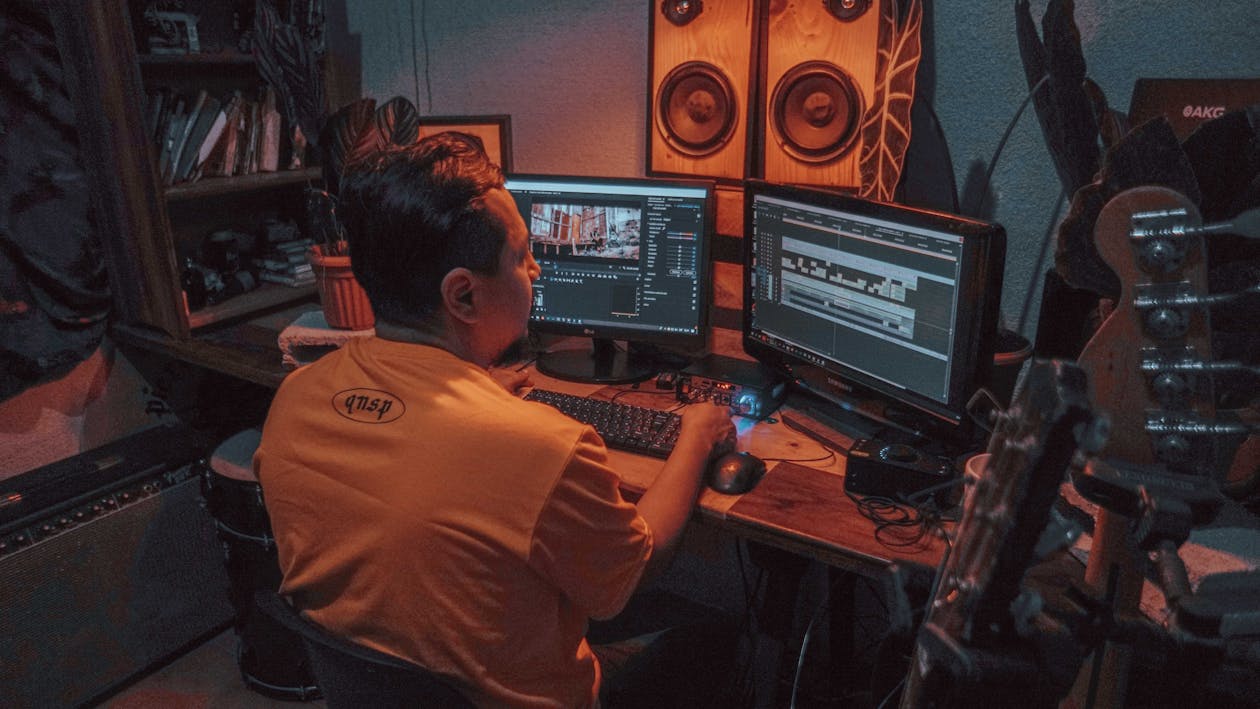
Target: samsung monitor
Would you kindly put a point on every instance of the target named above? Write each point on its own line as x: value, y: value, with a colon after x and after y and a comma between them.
x: 620, y: 259
x: 877, y: 308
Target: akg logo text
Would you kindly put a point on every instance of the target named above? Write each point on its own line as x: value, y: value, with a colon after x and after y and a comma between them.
x: 1192, y: 111
x: 368, y: 405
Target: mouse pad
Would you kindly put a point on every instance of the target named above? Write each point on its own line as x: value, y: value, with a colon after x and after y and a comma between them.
x: 809, y: 507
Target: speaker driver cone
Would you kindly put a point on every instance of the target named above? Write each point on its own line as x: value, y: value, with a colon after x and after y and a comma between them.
x: 815, y: 112
x: 696, y: 109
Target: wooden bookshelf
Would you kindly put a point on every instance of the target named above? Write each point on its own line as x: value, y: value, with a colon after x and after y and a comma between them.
x: 200, y: 58
x: 149, y: 231
x: 219, y: 186
x: 264, y: 297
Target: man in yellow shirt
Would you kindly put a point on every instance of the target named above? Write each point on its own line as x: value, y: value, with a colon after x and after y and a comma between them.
x: 419, y: 506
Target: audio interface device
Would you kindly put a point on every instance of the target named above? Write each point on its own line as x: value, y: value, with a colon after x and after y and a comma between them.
x: 893, y: 470
x: 748, y: 388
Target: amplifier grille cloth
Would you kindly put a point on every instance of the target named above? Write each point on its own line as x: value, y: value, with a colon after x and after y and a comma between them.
x: 89, y: 608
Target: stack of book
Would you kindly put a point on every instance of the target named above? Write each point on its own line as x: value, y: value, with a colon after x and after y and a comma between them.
x: 285, y: 263
x: 203, y: 136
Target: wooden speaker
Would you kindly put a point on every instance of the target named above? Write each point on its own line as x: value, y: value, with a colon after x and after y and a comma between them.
x: 702, y: 61
x: 817, y: 84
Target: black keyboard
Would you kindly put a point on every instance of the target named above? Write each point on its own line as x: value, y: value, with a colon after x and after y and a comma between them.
x: 636, y: 429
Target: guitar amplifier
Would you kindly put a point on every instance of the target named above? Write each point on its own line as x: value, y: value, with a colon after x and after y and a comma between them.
x: 109, y: 564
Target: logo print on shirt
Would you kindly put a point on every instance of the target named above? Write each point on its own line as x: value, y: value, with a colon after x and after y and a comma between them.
x: 368, y: 405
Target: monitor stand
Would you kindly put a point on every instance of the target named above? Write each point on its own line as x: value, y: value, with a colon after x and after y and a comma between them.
x: 604, y: 363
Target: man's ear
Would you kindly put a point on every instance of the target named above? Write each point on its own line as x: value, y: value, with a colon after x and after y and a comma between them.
x: 458, y: 294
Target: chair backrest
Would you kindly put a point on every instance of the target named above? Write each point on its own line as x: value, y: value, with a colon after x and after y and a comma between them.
x: 354, y: 676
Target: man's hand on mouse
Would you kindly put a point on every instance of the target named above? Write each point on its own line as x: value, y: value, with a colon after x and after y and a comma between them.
x: 712, y: 425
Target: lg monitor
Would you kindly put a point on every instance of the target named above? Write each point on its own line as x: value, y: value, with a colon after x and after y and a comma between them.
x: 620, y: 259
x: 877, y: 308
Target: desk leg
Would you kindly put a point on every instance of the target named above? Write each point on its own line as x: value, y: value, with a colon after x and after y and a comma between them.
x: 843, y: 600
x: 777, y: 619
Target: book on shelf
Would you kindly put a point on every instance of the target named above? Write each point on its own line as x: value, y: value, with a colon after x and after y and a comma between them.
x: 269, y: 132
x: 220, y: 157
x: 170, y: 172
x: 295, y: 246
x: 248, y: 160
x: 174, y: 126
x: 283, y: 263
x: 212, y: 136
x: 293, y: 281
x: 189, y: 157
x: 157, y: 110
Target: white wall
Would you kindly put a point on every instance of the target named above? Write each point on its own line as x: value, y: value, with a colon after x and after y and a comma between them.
x: 573, y: 76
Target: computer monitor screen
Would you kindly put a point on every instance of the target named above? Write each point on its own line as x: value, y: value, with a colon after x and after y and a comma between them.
x: 620, y: 259
x: 876, y: 307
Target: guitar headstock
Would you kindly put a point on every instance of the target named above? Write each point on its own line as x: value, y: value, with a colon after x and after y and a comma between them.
x: 1030, y: 450
x: 1146, y: 360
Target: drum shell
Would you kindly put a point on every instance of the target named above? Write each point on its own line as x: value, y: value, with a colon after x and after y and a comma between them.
x: 271, y: 658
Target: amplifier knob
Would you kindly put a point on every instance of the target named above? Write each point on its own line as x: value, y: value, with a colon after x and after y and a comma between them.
x: 98, y: 508
x: 4, y: 548
x: 109, y: 502
x: 79, y: 516
x: 47, y: 529
x: 63, y: 522
x: 21, y: 540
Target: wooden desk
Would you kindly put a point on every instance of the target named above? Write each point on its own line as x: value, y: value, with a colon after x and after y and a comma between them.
x: 797, y: 508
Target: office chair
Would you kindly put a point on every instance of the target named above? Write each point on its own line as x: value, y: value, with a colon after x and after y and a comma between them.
x: 352, y: 676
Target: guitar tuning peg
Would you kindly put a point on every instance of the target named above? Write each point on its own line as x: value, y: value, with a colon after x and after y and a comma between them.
x: 1246, y: 224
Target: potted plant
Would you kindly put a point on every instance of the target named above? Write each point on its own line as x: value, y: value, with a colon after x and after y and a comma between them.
x: 359, y: 128
x: 344, y: 301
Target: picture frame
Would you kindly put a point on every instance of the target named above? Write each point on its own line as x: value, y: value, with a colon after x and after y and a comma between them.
x: 494, y: 131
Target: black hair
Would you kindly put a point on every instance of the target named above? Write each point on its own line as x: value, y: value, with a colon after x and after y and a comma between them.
x: 412, y: 214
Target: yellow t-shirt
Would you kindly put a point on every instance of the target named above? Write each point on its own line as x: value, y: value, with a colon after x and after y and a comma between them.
x: 422, y: 510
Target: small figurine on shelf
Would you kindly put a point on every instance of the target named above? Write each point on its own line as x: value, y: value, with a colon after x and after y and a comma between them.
x: 171, y: 30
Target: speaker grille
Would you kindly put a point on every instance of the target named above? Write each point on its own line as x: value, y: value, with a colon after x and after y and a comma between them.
x: 816, y: 110
x: 697, y: 109
x: 89, y: 607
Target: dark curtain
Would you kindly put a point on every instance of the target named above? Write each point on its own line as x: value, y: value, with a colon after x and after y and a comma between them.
x: 54, y: 289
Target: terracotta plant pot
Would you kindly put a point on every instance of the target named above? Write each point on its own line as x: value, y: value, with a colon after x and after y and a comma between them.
x: 346, y: 305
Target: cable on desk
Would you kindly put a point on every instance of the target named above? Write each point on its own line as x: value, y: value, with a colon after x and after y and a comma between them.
x: 892, y: 518
x: 831, y: 455
x: 795, y: 426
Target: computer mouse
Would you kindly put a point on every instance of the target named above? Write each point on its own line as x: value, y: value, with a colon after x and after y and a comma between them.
x: 736, y: 473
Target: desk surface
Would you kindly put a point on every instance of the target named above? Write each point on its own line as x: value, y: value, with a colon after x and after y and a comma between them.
x: 798, y: 506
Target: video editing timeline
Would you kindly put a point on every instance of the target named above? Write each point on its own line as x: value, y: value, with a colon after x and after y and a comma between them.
x: 874, y: 296
x: 615, y: 254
